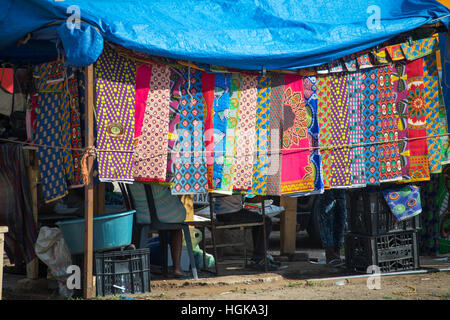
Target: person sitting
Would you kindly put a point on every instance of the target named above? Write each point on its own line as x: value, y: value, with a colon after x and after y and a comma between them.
x: 230, y: 209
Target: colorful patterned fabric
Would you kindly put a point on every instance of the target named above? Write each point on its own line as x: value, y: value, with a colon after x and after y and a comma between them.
x: 309, y: 91
x: 323, y: 69
x: 150, y: 157
x: 176, y: 78
x: 245, y: 136
x: 296, y: 170
x: 395, y: 52
x: 419, y: 48
x: 370, y: 98
x: 230, y: 144
x: 390, y: 165
x: 340, y: 133
x: 355, y: 102
x: 16, y: 205
x: 404, y: 201
x: 323, y: 98
x: 335, y: 66
x: 221, y: 109
x: 431, y: 95
x: 190, y: 164
x: 443, y: 130
x: 380, y: 56
x: 143, y: 75
x: 50, y: 159
x: 276, y: 108
x: 419, y: 167
x: 75, y: 130
x: 208, y: 83
x: 401, y: 93
x: 260, y: 167
x: 66, y: 137
x: 115, y: 86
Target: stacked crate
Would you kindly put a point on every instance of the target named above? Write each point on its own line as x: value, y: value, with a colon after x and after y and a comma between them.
x: 376, y: 237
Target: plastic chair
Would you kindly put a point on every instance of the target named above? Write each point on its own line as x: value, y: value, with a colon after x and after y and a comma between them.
x: 144, y: 225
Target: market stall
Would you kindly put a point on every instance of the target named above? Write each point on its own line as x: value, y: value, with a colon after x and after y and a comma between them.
x: 277, y: 108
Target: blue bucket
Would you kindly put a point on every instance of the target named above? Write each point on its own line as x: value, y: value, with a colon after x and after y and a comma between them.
x: 110, y: 231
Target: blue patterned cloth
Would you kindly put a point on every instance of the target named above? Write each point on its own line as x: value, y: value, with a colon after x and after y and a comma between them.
x: 404, y: 201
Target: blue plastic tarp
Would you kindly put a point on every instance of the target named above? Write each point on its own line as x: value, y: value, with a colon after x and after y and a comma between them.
x: 244, y: 34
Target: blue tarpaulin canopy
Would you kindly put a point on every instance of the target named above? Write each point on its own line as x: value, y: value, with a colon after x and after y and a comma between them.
x: 243, y: 34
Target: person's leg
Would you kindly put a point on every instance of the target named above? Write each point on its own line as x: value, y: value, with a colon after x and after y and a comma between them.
x: 176, y: 245
x: 258, y: 239
x: 326, y: 222
x: 340, y: 219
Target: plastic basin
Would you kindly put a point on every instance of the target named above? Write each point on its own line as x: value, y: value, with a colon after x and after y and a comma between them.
x: 110, y: 231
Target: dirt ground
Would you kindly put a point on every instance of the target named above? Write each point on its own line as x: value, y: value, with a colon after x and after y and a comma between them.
x: 301, y: 280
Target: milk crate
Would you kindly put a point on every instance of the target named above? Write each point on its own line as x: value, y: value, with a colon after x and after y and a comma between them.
x: 121, y: 272
x: 369, y: 214
x: 390, y: 253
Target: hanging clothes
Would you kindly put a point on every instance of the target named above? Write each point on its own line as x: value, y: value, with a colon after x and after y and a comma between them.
x: 190, y: 164
x: 404, y: 201
x: 419, y: 48
x: 390, y: 165
x: 419, y: 167
x: 395, y: 52
x: 115, y: 87
x: 150, y: 157
x: 296, y: 170
x: 340, y: 133
x: 323, y: 97
x: 260, y: 168
x: 245, y: 136
x: 143, y: 74
x: 221, y: 108
x: 53, y: 105
x: 355, y: 102
x: 276, y: 107
x: 431, y: 95
x: 208, y: 83
x: 370, y: 98
x: 399, y: 88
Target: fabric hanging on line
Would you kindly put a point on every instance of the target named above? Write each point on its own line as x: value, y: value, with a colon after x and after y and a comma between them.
x: 310, y: 94
x: 404, y: 201
x: 6, y: 91
x: 259, y: 185
x: 380, y: 56
x: 208, y: 84
x: 395, y: 52
x: 419, y: 48
x: 322, y: 69
x: 363, y: 59
x: 75, y: 127
x: 150, y: 152
x: 370, y: 98
x: 296, y: 170
x: 355, y: 101
x: 48, y: 131
x: 245, y: 136
x: 323, y: 115
x: 335, y: 66
x: 221, y: 109
x: 230, y: 143
x: 66, y: 141
x: 115, y: 87
x: 419, y: 167
x: 390, y: 165
x: 431, y: 95
x: 276, y: 107
x: 350, y: 63
x: 443, y: 125
x: 16, y: 205
x: 340, y: 133
x: 143, y: 74
x: 190, y: 164
x: 176, y: 78
x: 401, y: 93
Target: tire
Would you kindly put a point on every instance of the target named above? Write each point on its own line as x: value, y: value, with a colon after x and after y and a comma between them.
x: 313, y: 228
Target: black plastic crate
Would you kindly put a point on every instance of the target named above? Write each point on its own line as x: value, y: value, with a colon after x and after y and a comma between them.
x: 369, y: 214
x: 121, y: 272
x: 391, y: 252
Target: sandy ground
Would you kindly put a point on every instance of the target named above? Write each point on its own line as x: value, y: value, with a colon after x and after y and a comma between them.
x: 302, y: 280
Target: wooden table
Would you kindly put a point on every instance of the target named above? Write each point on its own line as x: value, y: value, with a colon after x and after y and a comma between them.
x: 3, y: 230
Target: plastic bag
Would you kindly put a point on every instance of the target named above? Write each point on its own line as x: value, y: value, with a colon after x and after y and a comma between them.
x: 51, y: 248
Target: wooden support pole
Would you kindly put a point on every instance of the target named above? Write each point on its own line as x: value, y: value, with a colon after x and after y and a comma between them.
x: 288, y: 225
x: 89, y: 289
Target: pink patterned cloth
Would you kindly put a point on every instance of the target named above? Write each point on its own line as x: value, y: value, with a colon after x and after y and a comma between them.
x: 143, y: 74
x: 245, y: 135
x: 151, y: 150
